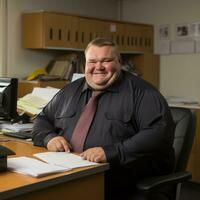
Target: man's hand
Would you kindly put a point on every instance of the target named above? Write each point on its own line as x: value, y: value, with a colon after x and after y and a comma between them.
x: 58, y: 143
x: 95, y: 154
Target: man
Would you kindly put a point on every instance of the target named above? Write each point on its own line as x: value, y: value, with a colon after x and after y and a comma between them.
x: 132, y: 128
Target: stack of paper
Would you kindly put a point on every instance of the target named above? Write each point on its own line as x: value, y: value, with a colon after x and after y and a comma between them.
x: 17, y: 127
x: 64, y: 159
x: 33, y: 167
x: 34, y: 103
x: 184, y: 100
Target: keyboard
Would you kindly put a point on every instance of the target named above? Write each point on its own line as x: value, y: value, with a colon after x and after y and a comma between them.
x: 21, y: 134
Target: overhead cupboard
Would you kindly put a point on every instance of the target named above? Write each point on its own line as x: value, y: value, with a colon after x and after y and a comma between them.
x: 53, y: 30
x: 59, y: 30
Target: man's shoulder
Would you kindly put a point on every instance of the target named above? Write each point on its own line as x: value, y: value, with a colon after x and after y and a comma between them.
x: 137, y: 81
x: 75, y: 84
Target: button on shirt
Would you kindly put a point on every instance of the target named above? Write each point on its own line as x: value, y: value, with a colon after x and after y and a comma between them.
x: 132, y: 119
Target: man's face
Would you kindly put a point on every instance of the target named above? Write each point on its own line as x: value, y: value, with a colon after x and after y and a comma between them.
x: 102, y: 67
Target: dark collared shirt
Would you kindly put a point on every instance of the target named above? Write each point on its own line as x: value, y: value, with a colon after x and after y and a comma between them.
x: 132, y: 120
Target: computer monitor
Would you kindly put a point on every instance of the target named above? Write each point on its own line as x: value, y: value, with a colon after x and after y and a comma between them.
x: 8, y: 98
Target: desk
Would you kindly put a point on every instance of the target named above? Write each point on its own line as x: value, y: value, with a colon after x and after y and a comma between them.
x: 83, y: 183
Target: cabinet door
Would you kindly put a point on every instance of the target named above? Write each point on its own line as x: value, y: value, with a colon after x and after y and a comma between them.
x: 148, y: 66
x: 32, y: 30
x: 85, y: 32
x: 61, y: 31
x: 117, y: 33
x: 102, y: 28
x: 147, y: 38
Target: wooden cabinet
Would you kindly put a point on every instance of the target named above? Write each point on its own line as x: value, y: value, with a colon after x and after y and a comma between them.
x: 42, y: 30
x: 51, y: 30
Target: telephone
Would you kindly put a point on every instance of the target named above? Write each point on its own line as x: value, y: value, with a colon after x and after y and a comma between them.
x: 4, y: 152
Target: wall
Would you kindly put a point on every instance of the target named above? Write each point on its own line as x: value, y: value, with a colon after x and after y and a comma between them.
x: 20, y: 62
x: 179, y: 74
x: 2, y: 36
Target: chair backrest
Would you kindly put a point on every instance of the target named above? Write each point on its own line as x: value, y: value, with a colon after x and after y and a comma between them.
x: 185, y: 121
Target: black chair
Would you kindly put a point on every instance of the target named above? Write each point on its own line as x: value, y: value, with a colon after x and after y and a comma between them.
x: 168, y: 187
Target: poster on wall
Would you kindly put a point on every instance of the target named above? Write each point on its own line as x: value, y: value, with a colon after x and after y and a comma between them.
x: 162, y: 45
x: 195, y: 30
x: 164, y: 32
x: 182, y: 31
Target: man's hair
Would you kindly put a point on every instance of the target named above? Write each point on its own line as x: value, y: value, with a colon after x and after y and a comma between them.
x: 101, y: 42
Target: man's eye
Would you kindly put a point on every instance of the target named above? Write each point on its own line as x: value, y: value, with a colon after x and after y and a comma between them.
x: 108, y: 60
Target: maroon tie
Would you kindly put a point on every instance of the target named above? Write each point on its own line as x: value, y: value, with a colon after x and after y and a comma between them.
x: 82, y: 127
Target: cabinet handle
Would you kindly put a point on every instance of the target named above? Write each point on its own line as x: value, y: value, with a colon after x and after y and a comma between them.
x: 117, y: 39
x: 122, y: 40
x: 59, y: 34
x: 51, y: 34
x: 76, y: 36
x: 128, y: 41
x: 132, y: 41
x: 146, y: 42
x: 82, y: 37
x: 90, y: 36
x: 136, y: 41
x: 140, y: 41
x: 150, y: 42
x: 68, y: 35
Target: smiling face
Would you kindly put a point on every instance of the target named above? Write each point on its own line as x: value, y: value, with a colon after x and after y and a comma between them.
x: 102, y: 66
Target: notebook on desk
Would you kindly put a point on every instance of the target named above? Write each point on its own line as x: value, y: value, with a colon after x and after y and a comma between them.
x: 20, y: 134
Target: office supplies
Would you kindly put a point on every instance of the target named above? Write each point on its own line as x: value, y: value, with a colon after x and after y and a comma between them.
x: 34, y: 103
x: 64, y: 159
x: 33, y: 167
x: 4, y: 152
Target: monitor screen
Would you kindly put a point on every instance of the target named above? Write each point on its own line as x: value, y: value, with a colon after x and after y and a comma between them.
x: 8, y: 98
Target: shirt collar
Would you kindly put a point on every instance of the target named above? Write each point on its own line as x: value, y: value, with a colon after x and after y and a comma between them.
x: 115, y: 87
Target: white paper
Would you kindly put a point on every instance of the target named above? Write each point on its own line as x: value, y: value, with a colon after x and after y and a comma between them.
x: 182, y: 46
x: 34, y: 103
x: 162, y: 47
x: 77, y: 76
x: 45, y: 93
x: 184, y: 100
x: 17, y: 127
x: 64, y: 159
x: 33, y: 167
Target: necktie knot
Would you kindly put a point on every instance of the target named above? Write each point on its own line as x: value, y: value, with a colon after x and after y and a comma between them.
x: 96, y: 93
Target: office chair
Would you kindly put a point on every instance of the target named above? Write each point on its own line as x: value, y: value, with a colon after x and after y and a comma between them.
x: 168, y: 187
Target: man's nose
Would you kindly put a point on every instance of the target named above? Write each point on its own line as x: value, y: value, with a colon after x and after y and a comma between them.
x: 99, y: 65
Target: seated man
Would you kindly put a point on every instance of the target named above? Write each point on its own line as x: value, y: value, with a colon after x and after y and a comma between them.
x: 132, y: 128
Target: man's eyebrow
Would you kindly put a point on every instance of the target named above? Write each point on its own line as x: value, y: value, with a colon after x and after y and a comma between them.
x: 102, y: 59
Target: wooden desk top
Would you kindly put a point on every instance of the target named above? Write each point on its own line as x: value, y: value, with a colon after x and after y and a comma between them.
x: 12, y: 183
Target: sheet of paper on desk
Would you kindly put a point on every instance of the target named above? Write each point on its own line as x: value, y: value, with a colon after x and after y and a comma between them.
x: 45, y: 93
x: 33, y: 167
x: 64, y: 159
